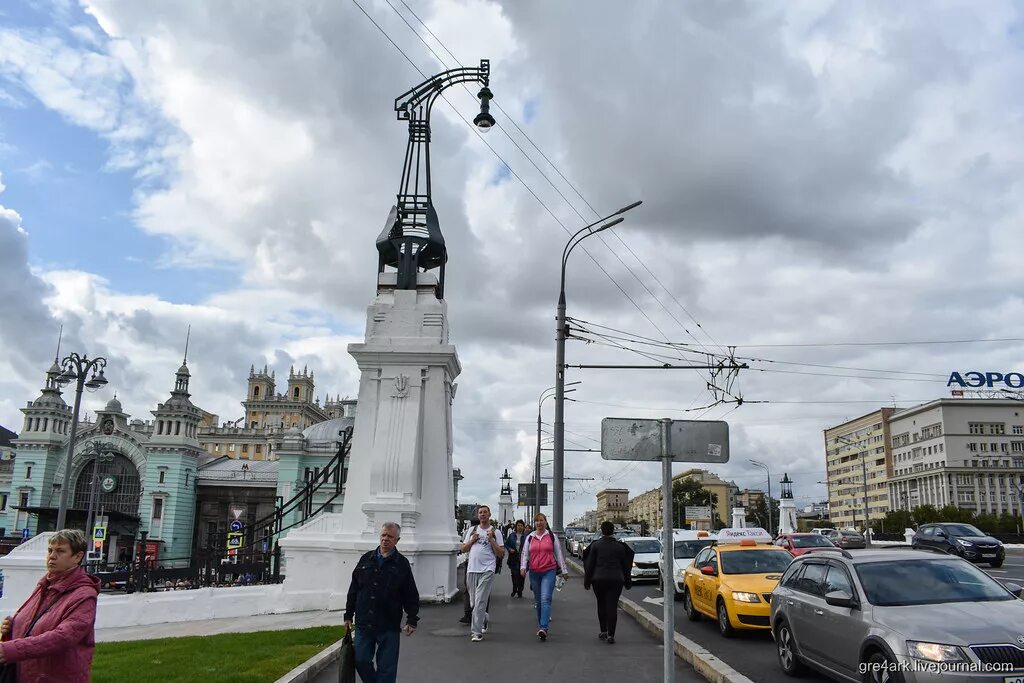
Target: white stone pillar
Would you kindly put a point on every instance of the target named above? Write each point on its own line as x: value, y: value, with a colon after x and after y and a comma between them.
x: 401, y: 459
x: 739, y: 518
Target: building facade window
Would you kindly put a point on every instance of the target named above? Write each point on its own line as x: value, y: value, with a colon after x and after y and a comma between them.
x: 162, y: 475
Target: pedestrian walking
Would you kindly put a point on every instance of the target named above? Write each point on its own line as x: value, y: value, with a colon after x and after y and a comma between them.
x: 51, y: 636
x: 514, y: 548
x: 485, y: 546
x: 542, y: 557
x: 607, y: 566
x: 382, y: 588
x: 467, y: 603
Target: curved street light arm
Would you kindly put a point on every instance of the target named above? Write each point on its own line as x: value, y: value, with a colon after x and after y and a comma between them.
x: 428, y: 90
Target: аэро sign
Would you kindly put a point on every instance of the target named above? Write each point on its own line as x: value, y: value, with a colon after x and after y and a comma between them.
x: 976, y: 380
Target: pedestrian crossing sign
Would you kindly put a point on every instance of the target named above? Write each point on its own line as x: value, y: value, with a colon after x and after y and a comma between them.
x: 99, y: 533
x: 234, y: 540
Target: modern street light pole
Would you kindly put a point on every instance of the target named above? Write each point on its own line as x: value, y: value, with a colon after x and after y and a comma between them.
x: 536, y: 469
x: 559, y: 426
x: 769, y: 505
x: 76, y: 369
x: 864, y: 476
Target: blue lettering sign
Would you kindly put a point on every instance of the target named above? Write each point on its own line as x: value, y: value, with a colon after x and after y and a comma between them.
x: 975, y: 377
x: 976, y: 380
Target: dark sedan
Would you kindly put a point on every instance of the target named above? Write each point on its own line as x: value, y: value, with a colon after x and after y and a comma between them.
x: 965, y: 540
x: 847, y: 540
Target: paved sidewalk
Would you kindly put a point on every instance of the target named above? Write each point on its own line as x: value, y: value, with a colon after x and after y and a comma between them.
x: 440, y: 651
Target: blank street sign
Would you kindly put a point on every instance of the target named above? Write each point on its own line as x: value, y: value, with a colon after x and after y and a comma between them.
x: 624, y: 438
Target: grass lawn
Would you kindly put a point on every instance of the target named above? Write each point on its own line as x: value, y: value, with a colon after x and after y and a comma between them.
x: 259, y: 657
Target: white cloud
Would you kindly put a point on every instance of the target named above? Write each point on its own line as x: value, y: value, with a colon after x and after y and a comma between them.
x: 809, y: 173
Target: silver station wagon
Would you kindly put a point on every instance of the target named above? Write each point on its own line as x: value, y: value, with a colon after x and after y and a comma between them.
x: 900, y: 616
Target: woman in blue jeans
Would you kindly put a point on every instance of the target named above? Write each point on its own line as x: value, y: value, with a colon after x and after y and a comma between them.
x: 542, y: 558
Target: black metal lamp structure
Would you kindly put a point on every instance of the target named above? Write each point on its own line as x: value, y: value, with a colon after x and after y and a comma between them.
x: 411, y: 240
x: 77, y: 369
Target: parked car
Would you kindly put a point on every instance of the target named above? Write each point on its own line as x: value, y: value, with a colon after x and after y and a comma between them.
x: 964, y: 540
x: 798, y: 544
x: 732, y: 582
x: 585, y: 541
x: 897, y: 615
x: 646, y: 553
x: 574, y: 542
x: 687, y: 545
x: 846, y: 539
x: 626, y: 533
x: 821, y: 530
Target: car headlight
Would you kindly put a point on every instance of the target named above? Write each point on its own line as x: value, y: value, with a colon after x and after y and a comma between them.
x: 635, y: 564
x: 934, y: 652
x: 682, y: 573
x: 966, y: 544
x: 742, y: 596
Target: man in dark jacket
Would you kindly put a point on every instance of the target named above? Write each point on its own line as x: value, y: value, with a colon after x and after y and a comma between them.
x: 382, y: 587
x: 607, y: 567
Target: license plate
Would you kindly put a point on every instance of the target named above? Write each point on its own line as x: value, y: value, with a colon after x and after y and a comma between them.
x: 1014, y: 679
x: 648, y: 572
x: 988, y: 555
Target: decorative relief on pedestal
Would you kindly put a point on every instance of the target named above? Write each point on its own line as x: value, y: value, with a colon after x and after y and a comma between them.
x: 409, y: 520
x: 401, y: 387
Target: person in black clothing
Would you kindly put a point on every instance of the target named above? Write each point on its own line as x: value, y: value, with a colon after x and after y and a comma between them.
x: 607, y: 568
x: 382, y: 587
x: 514, y: 547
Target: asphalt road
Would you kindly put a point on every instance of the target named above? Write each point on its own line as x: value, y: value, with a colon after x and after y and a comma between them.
x: 752, y: 653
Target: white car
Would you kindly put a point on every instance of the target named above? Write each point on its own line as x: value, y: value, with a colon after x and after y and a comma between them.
x: 686, y: 545
x: 646, y: 553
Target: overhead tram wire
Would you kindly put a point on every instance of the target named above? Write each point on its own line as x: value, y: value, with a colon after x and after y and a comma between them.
x: 892, y: 343
x: 514, y: 174
x: 681, y: 346
x: 556, y: 189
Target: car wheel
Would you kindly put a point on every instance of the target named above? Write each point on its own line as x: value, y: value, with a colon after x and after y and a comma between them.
x: 996, y: 564
x: 881, y: 669
x: 786, y: 648
x: 691, y: 611
x: 676, y: 595
x: 724, y: 627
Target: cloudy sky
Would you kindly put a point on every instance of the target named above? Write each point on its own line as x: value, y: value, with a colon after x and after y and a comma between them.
x: 822, y: 183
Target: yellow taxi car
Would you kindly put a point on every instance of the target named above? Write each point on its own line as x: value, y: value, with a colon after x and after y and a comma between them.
x: 732, y: 582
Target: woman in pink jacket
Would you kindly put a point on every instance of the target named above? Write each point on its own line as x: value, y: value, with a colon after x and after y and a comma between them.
x: 542, y: 559
x: 50, y: 637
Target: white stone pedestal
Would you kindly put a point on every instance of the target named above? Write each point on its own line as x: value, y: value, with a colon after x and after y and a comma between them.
x: 739, y: 518
x: 787, y: 516
x: 505, y: 509
x: 22, y: 568
x: 401, y: 459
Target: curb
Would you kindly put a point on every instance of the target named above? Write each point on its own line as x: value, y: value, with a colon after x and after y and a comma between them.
x: 310, y: 668
x: 700, y: 658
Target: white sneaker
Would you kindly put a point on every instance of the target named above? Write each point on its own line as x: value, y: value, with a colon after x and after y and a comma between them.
x: 475, y: 638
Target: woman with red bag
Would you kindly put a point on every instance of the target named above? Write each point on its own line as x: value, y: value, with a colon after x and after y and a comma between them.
x: 542, y: 558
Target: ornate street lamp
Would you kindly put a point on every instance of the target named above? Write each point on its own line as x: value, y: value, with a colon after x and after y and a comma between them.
x: 411, y: 240
x: 77, y: 369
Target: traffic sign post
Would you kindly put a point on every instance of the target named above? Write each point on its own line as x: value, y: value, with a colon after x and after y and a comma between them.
x: 234, y: 542
x: 668, y: 441
x: 236, y: 525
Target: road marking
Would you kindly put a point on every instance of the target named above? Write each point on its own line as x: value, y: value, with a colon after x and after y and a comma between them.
x: 655, y: 601
x: 996, y: 571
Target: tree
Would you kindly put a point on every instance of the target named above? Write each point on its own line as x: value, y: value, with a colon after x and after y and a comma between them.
x: 687, y: 492
x: 758, y: 513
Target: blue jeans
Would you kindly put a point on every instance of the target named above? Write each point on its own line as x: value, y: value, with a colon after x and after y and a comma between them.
x: 543, y: 586
x: 385, y: 645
